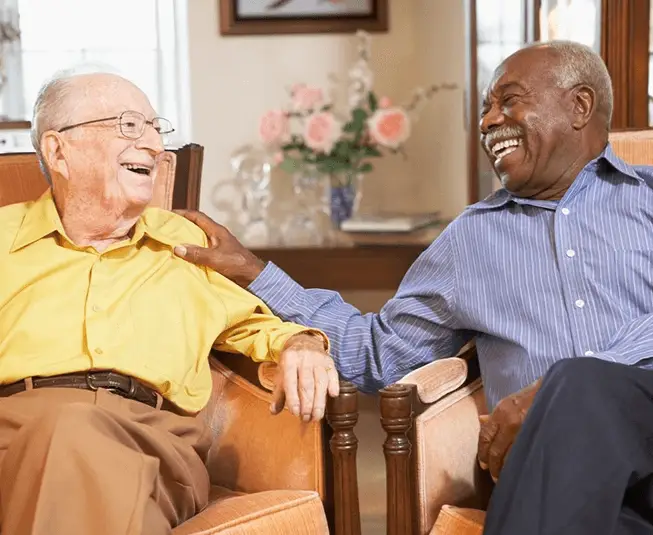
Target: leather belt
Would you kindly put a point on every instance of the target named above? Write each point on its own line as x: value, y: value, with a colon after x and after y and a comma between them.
x: 117, y: 383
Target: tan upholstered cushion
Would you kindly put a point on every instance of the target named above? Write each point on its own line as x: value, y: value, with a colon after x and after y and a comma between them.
x: 437, y: 379
x: 635, y: 147
x: 446, y: 444
x: 457, y: 521
x: 276, y: 512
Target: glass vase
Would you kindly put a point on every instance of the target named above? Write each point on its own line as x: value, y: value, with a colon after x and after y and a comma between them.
x: 307, y: 223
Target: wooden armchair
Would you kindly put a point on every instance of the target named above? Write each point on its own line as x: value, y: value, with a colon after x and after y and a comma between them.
x: 432, y: 426
x: 271, y: 474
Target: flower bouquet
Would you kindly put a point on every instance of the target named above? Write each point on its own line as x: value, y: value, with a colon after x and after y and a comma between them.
x: 312, y: 137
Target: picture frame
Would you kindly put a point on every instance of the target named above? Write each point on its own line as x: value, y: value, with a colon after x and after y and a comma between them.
x: 277, y: 17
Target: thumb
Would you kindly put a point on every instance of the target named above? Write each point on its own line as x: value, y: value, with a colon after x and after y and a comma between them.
x: 192, y: 253
x: 278, y: 398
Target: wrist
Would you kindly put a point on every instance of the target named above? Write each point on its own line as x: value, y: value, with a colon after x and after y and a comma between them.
x: 252, y: 269
x: 307, y: 340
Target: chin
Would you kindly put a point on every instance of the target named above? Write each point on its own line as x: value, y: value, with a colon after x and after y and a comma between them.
x: 141, y: 197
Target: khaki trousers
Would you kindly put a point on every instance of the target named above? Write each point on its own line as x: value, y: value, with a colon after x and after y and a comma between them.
x: 77, y: 462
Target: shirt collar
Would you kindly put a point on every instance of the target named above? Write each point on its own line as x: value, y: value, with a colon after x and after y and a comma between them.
x: 42, y: 219
x: 607, y: 158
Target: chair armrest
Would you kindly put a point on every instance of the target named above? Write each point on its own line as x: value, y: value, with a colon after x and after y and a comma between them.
x: 437, y: 379
x: 254, y: 450
x: 431, y: 421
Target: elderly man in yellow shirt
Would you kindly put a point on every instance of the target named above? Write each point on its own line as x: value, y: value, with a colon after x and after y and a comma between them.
x: 104, y: 332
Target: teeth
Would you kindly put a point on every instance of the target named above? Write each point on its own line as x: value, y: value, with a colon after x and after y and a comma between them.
x: 503, y: 145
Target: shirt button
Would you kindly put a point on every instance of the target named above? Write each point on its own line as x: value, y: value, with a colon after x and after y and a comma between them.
x: 580, y: 303
x: 97, y: 308
x: 589, y: 353
x: 571, y: 253
x: 565, y: 211
x: 98, y: 350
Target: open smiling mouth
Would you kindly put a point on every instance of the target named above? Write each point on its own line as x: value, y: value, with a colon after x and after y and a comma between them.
x: 138, y: 169
x: 503, y: 148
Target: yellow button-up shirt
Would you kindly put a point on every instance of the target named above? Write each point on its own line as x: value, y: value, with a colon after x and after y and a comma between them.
x: 135, y: 308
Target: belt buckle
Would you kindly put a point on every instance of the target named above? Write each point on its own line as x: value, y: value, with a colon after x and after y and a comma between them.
x: 89, y: 382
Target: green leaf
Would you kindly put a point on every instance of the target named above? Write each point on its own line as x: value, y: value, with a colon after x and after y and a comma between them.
x: 365, y: 168
x: 372, y: 101
x: 289, y: 165
x: 358, y: 116
x: 371, y: 151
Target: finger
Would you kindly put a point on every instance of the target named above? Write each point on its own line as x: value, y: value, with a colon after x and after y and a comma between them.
x: 306, y: 390
x: 334, y: 381
x: 290, y: 383
x: 204, y: 222
x: 193, y: 253
x: 484, y: 418
x: 321, y: 379
x: 485, y: 438
x: 498, y: 451
x: 278, y: 397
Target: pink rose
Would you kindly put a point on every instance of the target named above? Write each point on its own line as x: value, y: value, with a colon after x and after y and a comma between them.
x: 389, y: 127
x: 321, y: 131
x: 274, y: 128
x: 305, y: 98
x: 385, y: 103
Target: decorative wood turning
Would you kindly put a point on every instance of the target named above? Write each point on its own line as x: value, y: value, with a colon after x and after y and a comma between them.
x: 342, y: 415
x: 396, y: 417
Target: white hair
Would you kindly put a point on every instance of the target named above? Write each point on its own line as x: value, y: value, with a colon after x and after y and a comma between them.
x: 579, y: 64
x: 50, y: 111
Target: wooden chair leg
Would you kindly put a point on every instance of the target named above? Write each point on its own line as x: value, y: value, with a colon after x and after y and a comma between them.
x: 342, y: 415
x: 396, y: 419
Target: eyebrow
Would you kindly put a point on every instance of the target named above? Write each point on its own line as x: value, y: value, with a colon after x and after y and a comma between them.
x: 509, y: 85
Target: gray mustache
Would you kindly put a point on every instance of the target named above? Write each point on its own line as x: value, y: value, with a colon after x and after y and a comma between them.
x: 505, y: 133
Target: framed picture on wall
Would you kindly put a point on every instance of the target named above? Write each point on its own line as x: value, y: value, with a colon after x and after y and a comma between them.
x: 267, y: 17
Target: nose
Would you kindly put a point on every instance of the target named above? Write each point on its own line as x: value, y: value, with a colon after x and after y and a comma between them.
x: 151, y: 141
x: 492, y: 119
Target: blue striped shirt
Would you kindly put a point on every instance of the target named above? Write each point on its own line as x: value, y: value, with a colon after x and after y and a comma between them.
x: 533, y: 281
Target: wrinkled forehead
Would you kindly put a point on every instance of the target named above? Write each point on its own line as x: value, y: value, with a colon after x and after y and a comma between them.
x: 530, y: 69
x: 98, y: 96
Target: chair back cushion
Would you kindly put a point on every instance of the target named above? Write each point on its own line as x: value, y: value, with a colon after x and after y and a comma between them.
x: 633, y: 146
x: 21, y: 179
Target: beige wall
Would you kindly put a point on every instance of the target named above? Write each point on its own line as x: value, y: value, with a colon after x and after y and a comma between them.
x: 235, y: 79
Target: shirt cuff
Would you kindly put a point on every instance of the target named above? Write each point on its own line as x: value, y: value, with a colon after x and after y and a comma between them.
x: 275, y: 288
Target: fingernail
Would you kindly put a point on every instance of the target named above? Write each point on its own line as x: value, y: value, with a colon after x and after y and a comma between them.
x: 306, y: 417
x: 483, y: 465
x: 180, y: 250
x: 295, y: 410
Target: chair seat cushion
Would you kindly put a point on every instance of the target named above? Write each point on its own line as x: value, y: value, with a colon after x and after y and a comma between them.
x: 458, y: 521
x: 274, y: 512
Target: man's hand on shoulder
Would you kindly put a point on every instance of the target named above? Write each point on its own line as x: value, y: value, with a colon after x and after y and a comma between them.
x: 499, y: 429
x: 225, y: 254
x: 305, y: 375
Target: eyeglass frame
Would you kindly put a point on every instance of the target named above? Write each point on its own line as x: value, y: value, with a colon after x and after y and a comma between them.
x: 119, y: 118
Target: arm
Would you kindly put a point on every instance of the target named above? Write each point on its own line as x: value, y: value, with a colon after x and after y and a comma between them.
x: 374, y: 350
x: 415, y: 327
x: 252, y: 329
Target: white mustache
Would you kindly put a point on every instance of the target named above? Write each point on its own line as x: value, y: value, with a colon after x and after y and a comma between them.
x: 506, y: 132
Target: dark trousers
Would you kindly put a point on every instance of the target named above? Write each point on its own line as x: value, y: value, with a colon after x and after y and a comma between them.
x: 583, y: 460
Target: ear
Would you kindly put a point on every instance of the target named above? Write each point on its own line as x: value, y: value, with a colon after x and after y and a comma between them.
x: 584, y: 102
x: 53, y: 154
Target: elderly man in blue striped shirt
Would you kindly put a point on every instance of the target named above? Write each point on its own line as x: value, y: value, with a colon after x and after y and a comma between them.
x: 552, y: 275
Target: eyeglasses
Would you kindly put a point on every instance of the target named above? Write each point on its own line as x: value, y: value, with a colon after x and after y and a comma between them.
x: 132, y: 124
